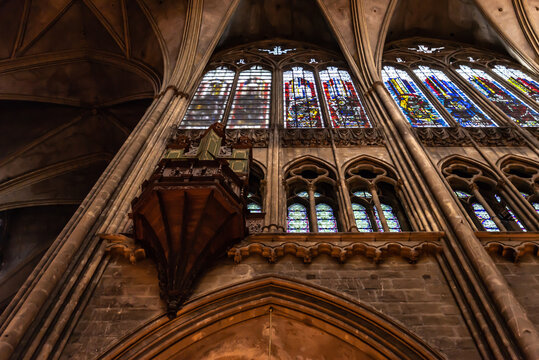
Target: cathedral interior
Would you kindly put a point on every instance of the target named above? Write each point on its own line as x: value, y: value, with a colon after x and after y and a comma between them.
x: 269, y: 179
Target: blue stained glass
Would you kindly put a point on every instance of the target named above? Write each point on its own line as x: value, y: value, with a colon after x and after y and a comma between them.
x: 209, y: 102
x: 251, y: 105
x: 411, y: 100
x: 305, y: 194
x: 344, y: 106
x: 452, y: 98
x: 519, y: 80
x: 254, y: 208
x: 519, y: 112
x: 536, y: 206
x: 301, y: 108
x: 378, y: 221
x: 325, y: 218
x: 462, y: 194
x: 391, y: 219
x: 515, y: 219
x: 363, y: 194
x: 363, y: 222
x: 484, y: 217
x: 297, y: 220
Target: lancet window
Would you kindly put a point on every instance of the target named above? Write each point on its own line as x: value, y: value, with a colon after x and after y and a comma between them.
x: 375, y: 203
x: 488, y: 205
x: 239, y: 89
x: 465, y: 87
x: 311, y: 199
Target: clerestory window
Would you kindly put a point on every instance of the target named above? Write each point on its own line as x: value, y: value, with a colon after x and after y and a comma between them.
x: 239, y: 90
x: 458, y: 86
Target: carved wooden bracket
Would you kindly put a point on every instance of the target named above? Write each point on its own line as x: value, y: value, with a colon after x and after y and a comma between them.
x: 124, y: 246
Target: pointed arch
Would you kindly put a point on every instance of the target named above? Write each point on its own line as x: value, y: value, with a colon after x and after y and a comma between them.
x: 370, y: 159
x: 309, y: 159
x: 215, y: 317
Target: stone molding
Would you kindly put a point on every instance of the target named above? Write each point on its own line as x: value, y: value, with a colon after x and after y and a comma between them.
x: 459, y: 136
x: 340, y: 246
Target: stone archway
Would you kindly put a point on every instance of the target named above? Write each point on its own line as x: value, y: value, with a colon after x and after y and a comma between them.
x: 306, y: 322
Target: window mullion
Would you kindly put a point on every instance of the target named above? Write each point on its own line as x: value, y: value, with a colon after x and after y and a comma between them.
x: 379, y: 209
x: 312, y: 209
x: 497, y: 115
x: 230, y: 98
x: 486, y: 206
x: 326, y: 120
x: 434, y: 101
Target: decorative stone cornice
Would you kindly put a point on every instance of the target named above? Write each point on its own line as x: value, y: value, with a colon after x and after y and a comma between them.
x: 322, y: 137
x: 513, y: 246
x: 341, y: 247
x: 458, y: 136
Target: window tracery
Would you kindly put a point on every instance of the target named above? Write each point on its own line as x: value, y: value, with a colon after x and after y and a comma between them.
x: 374, y: 198
x: 463, y: 81
x: 313, y: 187
x: 485, y: 201
x: 238, y: 89
x: 524, y: 175
x: 458, y: 104
x: 255, y: 191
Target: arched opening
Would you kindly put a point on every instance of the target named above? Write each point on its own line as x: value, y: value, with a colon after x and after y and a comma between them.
x: 277, y: 318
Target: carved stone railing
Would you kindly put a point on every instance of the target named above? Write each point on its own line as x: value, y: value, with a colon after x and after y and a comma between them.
x: 457, y: 136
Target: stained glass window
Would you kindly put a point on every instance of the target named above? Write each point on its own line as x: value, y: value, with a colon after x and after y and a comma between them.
x: 301, y: 107
x: 297, y: 220
x: 452, y: 98
x: 462, y: 194
x: 305, y: 194
x: 343, y: 103
x: 326, y: 218
x: 503, y: 98
x: 412, y: 102
x: 254, y: 208
x: 391, y: 219
x: 520, y: 80
x: 363, y: 222
x: 511, y: 213
x: 362, y: 194
x: 251, y: 105
x: 536, y: 206
x: 484, y: 217
x: 210, y: 99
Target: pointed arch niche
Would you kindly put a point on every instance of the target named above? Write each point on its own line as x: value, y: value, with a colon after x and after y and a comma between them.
x: 277, y: 318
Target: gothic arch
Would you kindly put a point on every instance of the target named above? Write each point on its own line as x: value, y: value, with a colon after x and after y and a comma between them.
x: 213, y: 321
x: 368, y: 158
x: 457, y: 158
x: 309, y: 159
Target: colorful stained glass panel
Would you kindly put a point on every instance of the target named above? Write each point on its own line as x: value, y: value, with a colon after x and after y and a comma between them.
x: 301, y: 107
x: 362, y: 194
x: 536, y: 206
x: 344, y: 106
x: 458, y: 104
x: 511, y: 213
x: 519, y: 80
x: 391, y: 219
x: 251, y: 105
x: 411, y: 100
x: 484, y: 217
x: 363, y: 222
x: 297, y: 220
x: 325, y: 218
x: 503, y: 98
x: 210, y: 99
x: 462, y: 194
